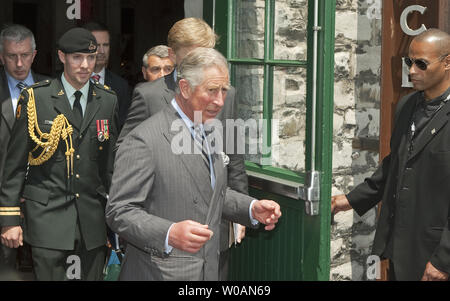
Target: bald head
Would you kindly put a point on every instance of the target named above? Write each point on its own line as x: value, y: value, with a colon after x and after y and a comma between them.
x: 439, y: 38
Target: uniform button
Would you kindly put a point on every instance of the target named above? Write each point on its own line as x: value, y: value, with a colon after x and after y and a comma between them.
x: 77, y: 195
x: 77, y: 176
x: 100, y: 148
x: 81, y: 136
x: 195, y: 201
x: 78, y: 157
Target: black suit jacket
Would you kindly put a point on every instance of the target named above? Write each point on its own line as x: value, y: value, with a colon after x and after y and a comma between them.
x: 152, y: 97
x: 7, y: 116
x: 415, y: 193
x: 123, y: 91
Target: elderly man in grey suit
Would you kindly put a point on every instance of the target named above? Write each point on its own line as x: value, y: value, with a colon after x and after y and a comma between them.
x: 169, y: 206
x: 150, y: 98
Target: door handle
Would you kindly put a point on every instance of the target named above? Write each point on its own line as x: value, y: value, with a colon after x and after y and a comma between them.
x: 310, y: 193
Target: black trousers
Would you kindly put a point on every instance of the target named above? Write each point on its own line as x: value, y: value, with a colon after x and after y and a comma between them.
x: 77, y: 264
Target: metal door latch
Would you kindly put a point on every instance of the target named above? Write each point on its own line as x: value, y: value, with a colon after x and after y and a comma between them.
x: 310, y: 193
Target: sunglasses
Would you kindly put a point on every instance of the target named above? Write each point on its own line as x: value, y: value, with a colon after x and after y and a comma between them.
x: 421, y: 64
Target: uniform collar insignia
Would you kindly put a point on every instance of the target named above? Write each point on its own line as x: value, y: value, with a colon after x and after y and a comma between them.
x: 61, y: 93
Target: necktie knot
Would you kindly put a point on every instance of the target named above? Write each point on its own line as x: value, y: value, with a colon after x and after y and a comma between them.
x: 96, y: 77
x: 21, y: 86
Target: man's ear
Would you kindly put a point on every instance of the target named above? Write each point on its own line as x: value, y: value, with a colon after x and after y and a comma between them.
x: 447, y: 62
x: 172, y: 55
x: 185, y: 88
x: 144, y: 73
x: 62, y: 56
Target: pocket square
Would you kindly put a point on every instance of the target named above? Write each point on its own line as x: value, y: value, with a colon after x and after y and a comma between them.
x: 225, y: 158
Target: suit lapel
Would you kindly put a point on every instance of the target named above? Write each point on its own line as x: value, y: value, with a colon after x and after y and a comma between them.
x: 219, y: 190
x: 61, y: 103
x: 93, y: 105
x: 193, y: 162
x: 431, y: 129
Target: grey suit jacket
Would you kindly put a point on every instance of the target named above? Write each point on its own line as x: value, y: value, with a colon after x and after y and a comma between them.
x: 165, y: 188
x: 151, y: 97
x: 7, y: 116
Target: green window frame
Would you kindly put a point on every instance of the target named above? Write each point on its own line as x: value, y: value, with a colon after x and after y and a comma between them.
x: 268, y: 62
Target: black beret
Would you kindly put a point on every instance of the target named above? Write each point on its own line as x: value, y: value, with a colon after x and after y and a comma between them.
x: 77, y: 40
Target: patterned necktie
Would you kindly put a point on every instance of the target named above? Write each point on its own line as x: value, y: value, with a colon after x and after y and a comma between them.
x: 202, y: 143
x: 77, y: 110
x: 21, y: 86
x: 96, y: 77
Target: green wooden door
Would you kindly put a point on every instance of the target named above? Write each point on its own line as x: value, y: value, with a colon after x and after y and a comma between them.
x: 281, y: 56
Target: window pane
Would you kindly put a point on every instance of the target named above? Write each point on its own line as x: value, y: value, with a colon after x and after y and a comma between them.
x: 291, y: 19
x: 289, y: 118
x: 249, y: 37
x: 249, y: 82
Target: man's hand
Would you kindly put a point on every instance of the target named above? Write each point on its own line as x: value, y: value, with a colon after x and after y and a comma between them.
x: 339, y: 203
x: 433, y: 274
x: 266, y: 212
x: 12, y: 237
x: 189, y: 236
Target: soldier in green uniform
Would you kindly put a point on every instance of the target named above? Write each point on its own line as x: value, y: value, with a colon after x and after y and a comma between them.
x: 59, y: 167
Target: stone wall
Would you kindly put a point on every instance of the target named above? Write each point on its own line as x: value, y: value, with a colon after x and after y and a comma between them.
x: 356, y: 112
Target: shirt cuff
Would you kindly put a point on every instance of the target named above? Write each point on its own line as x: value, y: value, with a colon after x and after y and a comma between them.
x: 254, y: 221
x: 167, y: 248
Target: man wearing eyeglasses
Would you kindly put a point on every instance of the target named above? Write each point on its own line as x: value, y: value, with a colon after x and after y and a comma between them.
x: 413, y: 181
x: 60, y: 161
x: 17, y: 52
x: 157, y: 63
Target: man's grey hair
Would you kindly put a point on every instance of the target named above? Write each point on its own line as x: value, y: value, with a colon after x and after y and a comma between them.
x: 16, y: 33
x: 161, y: 51
x: 195, y: 62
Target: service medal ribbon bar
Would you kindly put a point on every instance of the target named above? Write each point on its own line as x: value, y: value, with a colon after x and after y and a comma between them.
x: 102, y: 130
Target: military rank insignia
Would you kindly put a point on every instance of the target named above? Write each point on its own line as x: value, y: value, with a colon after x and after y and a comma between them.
x: 102, y: 130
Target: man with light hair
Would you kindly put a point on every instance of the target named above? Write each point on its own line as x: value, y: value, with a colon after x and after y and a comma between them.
x: 169, y: 207
x: 151, y: 97
x: 156, y: 63
x: 17, y: 53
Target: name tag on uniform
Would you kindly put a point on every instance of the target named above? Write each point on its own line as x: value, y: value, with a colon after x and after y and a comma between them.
x: 49, y: 122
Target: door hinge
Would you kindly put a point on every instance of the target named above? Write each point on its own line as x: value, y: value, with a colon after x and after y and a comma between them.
x: 310, y: 193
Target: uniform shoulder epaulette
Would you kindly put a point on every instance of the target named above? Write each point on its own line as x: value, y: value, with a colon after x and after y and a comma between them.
x: 104, y: 88
x: 40, y: 84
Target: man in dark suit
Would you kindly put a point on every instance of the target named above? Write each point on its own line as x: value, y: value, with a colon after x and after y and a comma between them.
x: 169, y: 206
x: 105, y: 76
x: 60, y: 161
x: 150, y: 98
x: 413, y: 230
x: 17, y: 52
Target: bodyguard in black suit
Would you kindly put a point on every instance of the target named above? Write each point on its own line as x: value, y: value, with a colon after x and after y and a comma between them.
x: 65, y: 131
x: 17, y: 52
x: 105, y: 76
x: 413, y: 181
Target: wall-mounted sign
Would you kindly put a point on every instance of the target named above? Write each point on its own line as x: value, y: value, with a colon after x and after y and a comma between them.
x: 406, y: 83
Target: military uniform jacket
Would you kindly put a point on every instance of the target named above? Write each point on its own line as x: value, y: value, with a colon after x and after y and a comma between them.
x: 416, y: 195
x: 54, y: 202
